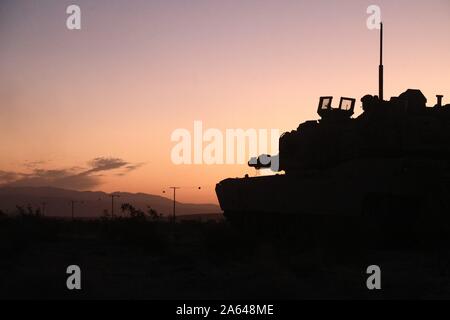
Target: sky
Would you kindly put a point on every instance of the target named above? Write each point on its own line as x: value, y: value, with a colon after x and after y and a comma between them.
x: 94, y: 109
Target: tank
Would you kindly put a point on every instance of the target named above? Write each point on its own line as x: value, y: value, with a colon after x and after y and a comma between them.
x: 394, y: 157
x: 391, y: 162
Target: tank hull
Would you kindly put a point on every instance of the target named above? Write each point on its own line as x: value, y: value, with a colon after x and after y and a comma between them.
x: 396, y: 188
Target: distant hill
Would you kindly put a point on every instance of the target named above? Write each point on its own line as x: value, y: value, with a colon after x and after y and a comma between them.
x: 90, y: 203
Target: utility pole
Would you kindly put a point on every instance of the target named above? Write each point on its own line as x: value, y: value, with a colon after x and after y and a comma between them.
x: 43, y: 208
x: 174, y: 202
x: 112, y: 203
x: 174, y: 199
x: 73, y: 207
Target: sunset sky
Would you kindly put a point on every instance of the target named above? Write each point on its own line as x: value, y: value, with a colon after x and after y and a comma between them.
x: 94, y: 109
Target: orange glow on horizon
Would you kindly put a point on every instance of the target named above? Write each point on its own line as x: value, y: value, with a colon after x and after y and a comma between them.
x: 136, y: 72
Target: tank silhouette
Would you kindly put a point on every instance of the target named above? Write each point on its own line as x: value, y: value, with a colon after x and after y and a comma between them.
x: 391, y: 162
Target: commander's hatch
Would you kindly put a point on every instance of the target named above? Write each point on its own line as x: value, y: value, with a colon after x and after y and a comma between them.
x: 345, y: 109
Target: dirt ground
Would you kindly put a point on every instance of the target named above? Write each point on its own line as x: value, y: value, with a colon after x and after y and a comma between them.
x: 127, y: 259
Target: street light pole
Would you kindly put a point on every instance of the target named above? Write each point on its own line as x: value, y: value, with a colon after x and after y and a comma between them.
x: 73, y: 202
x: 43, y: 208
x: 174, y: 201
x: 73, y: 208
x: 112, y: 203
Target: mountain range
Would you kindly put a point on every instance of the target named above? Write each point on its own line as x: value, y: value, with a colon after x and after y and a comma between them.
x: 56, y: 202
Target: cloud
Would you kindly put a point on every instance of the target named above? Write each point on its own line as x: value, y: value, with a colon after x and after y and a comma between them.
x: 8, y: 176
x: 132, y: 167
x: 102, y: 164
x: 34, y: 164
x: 71, y: 178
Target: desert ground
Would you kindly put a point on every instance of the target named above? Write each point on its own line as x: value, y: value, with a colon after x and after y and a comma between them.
x: 130, y: 258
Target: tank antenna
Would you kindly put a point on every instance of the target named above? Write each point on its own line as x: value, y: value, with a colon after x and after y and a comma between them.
x: 380, y: 67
